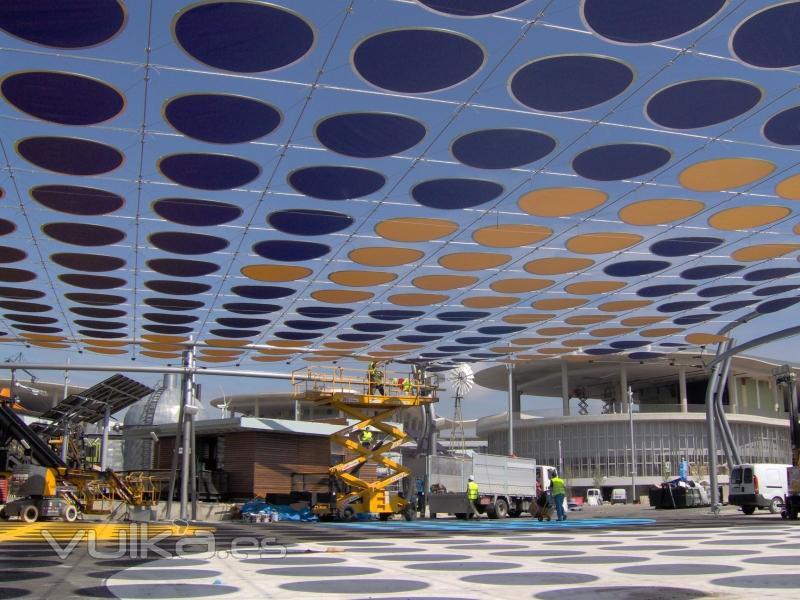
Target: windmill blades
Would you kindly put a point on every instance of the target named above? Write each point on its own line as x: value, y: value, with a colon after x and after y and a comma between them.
x: 461, y: 379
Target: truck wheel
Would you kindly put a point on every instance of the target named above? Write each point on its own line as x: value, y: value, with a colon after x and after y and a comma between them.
x: 29, y: 514
x: 348, y: 514
x: 748, y: 510
x: 70, y: 514
x: 500, y: 508
x: 776, y: 506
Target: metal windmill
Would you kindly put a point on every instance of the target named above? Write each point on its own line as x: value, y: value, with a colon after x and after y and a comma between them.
x: 461, y: 381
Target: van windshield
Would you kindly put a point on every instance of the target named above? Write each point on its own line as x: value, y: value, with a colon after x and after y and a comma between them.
x: 736, y: 475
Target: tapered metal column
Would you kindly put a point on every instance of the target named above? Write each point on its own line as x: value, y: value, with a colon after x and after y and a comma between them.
x: 633, y: 446
x: 66, y: 382
x: 734, y: 457
x: 564, y: 389
x: 623, y: 385
x: 511, y: 395
x: 711, y: 427
x: 193, y: 447
x: 188, y: 393
x: 173, y: 471
x: 682, y: 389
x: 104, y: 439
x: 434, y: 439
x: 733, y: 394
x: 726, y: 447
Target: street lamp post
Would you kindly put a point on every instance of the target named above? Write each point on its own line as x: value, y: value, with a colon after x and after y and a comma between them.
x: 633, y: 446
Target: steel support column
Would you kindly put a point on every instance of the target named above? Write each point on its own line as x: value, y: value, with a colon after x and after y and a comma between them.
x: 188, y: 393
x: 623, y: 386
x: 511, y: 397
x: 682, y: 389
x: 104, y: 439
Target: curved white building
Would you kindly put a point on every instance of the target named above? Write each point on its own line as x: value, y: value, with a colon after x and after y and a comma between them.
x: 668, y: 417
x: 273, y: 406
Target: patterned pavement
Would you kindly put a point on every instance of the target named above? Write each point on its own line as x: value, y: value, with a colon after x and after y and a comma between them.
x: 556, y: 563
x: 678, y: 555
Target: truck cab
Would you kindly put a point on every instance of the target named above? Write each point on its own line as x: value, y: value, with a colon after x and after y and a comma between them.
x: 544, y: 475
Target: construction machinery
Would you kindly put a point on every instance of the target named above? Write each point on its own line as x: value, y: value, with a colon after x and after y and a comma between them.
x: 50, y: 485
x: 355, y: 396
x: 37, y: 486
x: 786, y: 379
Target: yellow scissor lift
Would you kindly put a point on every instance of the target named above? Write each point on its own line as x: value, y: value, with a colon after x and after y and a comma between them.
x: 351, y: 394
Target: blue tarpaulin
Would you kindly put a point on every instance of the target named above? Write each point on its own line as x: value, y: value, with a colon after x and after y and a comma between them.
x: 284, y: 511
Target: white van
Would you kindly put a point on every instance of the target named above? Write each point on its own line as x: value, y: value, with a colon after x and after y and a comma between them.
x: 619, y: 495
x: 594, y: 497
x: 758, y: 486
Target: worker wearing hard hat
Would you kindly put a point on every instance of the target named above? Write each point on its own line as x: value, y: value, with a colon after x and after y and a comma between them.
x: 472, y: 496
x: 375, y: 378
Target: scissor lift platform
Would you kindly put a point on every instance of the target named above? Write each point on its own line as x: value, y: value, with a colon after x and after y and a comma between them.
x: 350, y: 394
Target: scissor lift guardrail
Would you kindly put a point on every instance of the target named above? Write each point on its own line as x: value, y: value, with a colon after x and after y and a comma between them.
x: 349, y: 393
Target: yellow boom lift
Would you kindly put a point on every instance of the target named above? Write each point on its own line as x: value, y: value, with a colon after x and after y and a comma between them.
x: 354, y: 397
x: 46, y: 485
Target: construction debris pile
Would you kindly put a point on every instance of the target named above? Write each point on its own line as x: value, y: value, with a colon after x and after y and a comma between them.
x: 259, y: 511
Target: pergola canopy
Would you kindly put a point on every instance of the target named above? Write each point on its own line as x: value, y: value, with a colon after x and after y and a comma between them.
x: 434, y: 180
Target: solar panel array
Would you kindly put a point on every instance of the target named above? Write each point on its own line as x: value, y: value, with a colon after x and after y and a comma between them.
x: 116, y: 392
x: 437, y: 180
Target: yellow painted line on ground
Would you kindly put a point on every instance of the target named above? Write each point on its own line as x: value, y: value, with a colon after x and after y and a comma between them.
x: 11, y: 531
x: 100, y: 531
x: 107, y: 531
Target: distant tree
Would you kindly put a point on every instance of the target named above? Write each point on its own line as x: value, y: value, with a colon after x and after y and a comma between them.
x: 666, y: 471
x: 598, y: 476
x: 567, y: 476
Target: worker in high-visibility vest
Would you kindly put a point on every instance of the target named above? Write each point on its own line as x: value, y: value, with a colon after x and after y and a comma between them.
x: 408, y: 389
x: 558, y: 490
x: 366, y: 438
x: 375, y: 376
x: 472, y: 496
